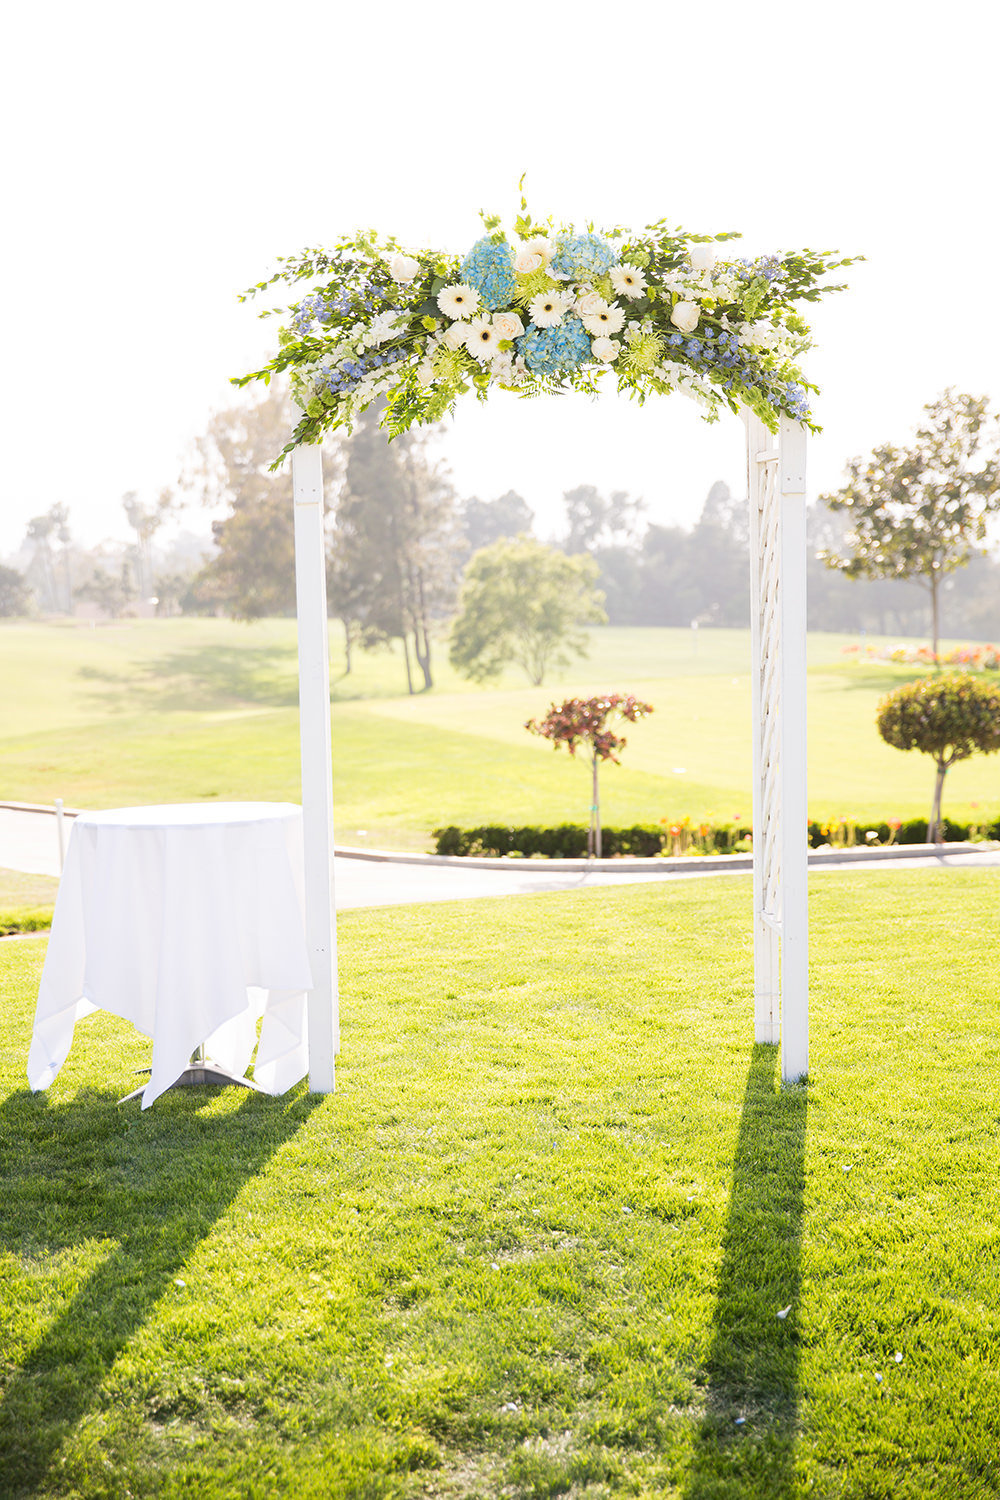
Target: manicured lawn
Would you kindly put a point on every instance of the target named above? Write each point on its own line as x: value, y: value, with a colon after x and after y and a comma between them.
x: 537, y: 1242
x: 173, y: 710
x: 26, y: 901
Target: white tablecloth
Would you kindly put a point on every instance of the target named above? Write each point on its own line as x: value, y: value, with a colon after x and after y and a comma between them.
x: 188, y: 921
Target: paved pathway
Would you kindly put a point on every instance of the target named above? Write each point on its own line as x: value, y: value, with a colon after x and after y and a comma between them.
x: 28, y: 841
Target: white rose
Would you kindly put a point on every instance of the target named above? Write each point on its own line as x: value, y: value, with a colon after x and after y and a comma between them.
x: 526, y: 261
x: 606, y: 349
x: 590, y: 304
x: 540, y: 246
x: 685, y: 316
x: 455, y: 336
x: 702, y: 257
x: 508, y: 325
x: 403, y: 268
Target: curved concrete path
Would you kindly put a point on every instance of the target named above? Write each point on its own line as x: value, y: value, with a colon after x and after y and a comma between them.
x: 29, y: 842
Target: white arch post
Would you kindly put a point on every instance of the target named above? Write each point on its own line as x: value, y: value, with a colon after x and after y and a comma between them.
x: 776, y: 485
x: 317, y: 764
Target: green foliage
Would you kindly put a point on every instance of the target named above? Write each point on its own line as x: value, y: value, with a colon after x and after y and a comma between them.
x: 950, y: 718
x: 919, y: 512
x: 523, y: 602
x: 15, y: 595
x: 567, y: 841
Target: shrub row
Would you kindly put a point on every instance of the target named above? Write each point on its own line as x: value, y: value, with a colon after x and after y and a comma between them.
x: 646, y: 840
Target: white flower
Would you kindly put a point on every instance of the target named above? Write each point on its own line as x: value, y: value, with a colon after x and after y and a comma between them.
x: 546, y: 309
x: 425, y: 372
x: 610, y: 320
x: 702, y: 257
x: 458, y: 301
x: 481, y: 339
x: 379, y: 329
x: 540, y: 246
x: 403, y: 268
x: 605, y: 349
x: 628, y: 281
x: 526, y: 261
x: 590, y: 303
x: 455, y: 336
x: 508, y: 325
x: 685, y: 316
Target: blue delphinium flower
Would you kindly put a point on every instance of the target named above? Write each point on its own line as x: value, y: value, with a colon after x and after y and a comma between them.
x: 489, y: 267
x: 556, y: 350
x: 583, y: 255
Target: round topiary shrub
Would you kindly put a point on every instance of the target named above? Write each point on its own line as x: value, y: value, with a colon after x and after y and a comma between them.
x: 950, y: 717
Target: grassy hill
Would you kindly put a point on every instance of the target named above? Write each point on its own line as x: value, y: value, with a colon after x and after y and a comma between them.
x: 170, y: 710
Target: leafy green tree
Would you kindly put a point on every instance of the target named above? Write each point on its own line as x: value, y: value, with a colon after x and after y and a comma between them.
x: 15, y: 595
x: 585, y: 721
x: 919, y: 512
x: 486, y: 521
x: 950, y: 718
x: 523, y: 602
x: 594, y: 520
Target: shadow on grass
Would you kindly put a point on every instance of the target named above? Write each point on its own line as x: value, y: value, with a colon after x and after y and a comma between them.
x: 130, y: 1193
x: 746, y: 1441
x: 202, y: 677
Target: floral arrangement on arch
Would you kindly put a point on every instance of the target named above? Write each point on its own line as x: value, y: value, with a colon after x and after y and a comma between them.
x: 543, y: 310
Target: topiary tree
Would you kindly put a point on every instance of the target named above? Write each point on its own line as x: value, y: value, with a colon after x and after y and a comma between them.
x: 584, y: 721
x: 949, y: 717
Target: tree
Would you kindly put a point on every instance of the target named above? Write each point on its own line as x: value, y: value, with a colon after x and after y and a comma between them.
x: 15, y: 595
x: 42, y: 568
x: 595, y: 520
x: 486, y: 521
x: 394, y: 546
x: 146, y: 521
x: 950, y: 718
x: 918, y: 512
x: 524, y: 602
x: 584, y: 721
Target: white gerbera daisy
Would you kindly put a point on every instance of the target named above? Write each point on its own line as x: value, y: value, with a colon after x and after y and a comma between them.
x: 628, y: 281
x: 458, y: 301
x: 546, y: 309
x: 482, y: 339
x: 609, y: 320
x: 540, y: 245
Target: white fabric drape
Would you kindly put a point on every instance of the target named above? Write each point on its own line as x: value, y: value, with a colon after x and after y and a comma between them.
x: 186, y: 920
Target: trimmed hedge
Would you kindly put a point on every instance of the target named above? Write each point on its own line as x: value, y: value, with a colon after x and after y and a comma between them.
x: 646, y: 840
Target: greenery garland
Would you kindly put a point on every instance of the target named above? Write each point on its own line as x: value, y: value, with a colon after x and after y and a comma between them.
x: 544, y: 310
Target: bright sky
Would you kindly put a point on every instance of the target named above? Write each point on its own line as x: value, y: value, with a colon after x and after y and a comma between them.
x: 159, y: 158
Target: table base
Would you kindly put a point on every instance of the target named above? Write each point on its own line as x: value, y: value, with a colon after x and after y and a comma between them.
x: 197, y: 1074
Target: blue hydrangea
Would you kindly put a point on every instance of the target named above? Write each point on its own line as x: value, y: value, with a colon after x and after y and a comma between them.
x: 579, y: 256
x: 489, y: 267
x: 555, y: 351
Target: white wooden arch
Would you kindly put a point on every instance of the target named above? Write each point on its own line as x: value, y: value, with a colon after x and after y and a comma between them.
x: 776, y: 486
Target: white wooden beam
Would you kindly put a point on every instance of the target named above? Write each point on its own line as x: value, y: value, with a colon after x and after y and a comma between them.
x: 317, y: 764
x: 794, y: 801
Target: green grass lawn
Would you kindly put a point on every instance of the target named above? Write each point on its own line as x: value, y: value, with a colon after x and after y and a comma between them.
x: 170, y: 710
x: 537, y: 1243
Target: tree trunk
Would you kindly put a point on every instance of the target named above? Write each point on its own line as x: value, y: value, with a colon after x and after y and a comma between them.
x: 935, y: 616
x: 934, y: 835
x: 595, y: 816
x: 406, y: 657
x: 421, y: 638
x: 347, y: 646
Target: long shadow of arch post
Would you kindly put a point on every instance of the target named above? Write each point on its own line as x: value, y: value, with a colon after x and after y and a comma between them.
x: 125, y: 1178
x: 750, y: 1424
